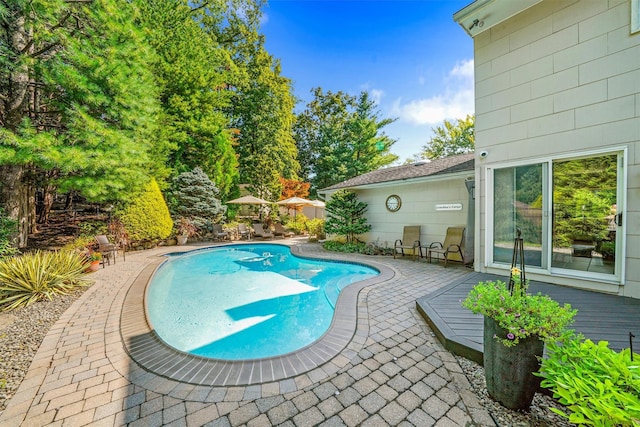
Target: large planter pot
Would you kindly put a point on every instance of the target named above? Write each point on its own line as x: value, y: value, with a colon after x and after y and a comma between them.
x: 509, y: 370
x: 182, y: 240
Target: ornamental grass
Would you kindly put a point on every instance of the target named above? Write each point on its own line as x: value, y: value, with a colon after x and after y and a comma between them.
x: 40, y: 275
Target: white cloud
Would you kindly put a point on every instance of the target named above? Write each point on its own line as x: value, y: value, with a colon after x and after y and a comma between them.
x: 455, y: 101
x: 376, y: 95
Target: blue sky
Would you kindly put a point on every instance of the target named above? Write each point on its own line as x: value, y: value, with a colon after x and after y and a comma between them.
x: 410, y: 55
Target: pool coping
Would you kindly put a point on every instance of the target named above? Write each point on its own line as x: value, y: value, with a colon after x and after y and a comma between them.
x: 154, y: 355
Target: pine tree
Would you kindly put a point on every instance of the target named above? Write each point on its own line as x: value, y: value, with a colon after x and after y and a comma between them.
x: 345, y: 216
x: 193, y: 196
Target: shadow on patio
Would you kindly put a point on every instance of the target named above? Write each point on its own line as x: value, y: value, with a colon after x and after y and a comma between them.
x: 601, y: 317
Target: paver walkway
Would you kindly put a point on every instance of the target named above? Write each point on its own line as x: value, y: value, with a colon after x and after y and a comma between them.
x: 398, y: 374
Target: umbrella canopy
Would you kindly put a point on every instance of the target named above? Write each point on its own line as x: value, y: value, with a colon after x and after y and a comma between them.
x: 249, y: 200
x: 295, y: 201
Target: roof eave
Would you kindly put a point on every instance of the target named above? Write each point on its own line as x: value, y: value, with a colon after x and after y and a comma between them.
x: 482, y: 15
x: 413, y: 180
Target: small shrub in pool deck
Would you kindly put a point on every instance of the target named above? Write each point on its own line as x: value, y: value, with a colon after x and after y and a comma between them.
x: 598, y: 385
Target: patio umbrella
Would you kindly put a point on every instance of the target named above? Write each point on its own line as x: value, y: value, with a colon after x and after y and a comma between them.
x: 249, y: 200
x: 295, y: 202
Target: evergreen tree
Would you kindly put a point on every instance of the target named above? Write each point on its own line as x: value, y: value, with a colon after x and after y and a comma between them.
x: 194, y: 196
x: 78, y: 106
x: 345, y: 216
x: 195, y: 75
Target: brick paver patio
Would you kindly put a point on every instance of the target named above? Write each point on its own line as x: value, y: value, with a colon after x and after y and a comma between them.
x: 393, y: 373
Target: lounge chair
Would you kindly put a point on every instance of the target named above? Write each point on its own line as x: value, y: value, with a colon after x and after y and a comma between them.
x: 258, y: 231
x: 410, y: 240
x: 244, y: 232
x: 108, y: 249
x: 219, y: 233
x: 450, y: 249
x: 279, y: 230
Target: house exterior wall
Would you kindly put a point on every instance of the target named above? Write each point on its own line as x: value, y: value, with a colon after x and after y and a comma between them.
x: 560, y: 78
x: 419, y: 200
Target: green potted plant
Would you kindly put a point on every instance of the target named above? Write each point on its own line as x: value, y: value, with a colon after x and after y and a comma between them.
x: 516, y: 325
x: 94, y: 259
x: 184, y: 229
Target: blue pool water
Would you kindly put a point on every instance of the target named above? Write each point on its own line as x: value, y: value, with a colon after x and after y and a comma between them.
x: 246, y: 301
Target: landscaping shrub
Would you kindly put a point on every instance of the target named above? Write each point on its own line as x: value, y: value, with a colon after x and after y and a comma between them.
x: 598, y: 385
x: 297, y: 224
x: 38, y: 275
x: 194, y: 196
x: 348, y: 247
x: 147, y: 218
x: 316, y: 227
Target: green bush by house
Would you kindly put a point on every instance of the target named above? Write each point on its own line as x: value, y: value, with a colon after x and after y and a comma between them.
x: 147, y: 217
x: 599, y: 386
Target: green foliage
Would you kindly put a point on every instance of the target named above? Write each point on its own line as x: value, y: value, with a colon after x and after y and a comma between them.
x: 39, y: 275
x: 147, y: 217
x: 584, y: 192
x: 315, y: 226
x: 94, y: 123
x: 262, y: 103
x: 193, y: 73
x: 80, y: 243
x: 520, y: 313
x: 351, y: 248
x: 345, y: 216
x: 8, y: 229
x: 339, y: 137
x: 598, y: 385
x: 193, y: 196
x: 451, y: 139
x: 297, y: 223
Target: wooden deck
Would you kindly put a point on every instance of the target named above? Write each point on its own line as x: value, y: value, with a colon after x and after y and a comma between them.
x: 600, y: 317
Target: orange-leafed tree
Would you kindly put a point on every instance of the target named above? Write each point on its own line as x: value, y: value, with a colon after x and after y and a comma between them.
x: 294, y: 188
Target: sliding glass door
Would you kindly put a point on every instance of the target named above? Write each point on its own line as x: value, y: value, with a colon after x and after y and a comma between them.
x: 518, y: 206
x: 585, y: 214
x: 568, y: 212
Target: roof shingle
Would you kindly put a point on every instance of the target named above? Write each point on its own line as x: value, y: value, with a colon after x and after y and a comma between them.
x: 461, y: 163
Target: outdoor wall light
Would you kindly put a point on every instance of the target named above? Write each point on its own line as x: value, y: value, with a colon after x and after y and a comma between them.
x: 476, y: 23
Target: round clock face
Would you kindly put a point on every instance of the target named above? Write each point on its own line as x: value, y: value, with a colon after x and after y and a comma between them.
x: 393, y: 203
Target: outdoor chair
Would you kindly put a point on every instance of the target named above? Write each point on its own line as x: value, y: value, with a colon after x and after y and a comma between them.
x: 108, y: 249
x: 258, y: 231
x: 219, y: 233
x: 410, y: 241
x: 279, y: 230
x: 450, y: 249
x: 244, y: 232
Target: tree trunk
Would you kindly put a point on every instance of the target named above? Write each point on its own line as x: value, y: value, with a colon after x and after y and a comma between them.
x: 14, y: 198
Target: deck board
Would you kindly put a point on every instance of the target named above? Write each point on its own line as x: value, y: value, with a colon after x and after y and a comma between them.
x: 600, y: 317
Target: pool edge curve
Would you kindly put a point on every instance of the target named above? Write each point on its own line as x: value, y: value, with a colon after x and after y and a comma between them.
x: 150, y: 352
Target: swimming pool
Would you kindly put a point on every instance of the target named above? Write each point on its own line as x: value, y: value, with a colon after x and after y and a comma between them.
x: 243, y: 302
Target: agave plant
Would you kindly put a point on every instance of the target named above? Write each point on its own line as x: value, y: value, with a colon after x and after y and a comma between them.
x: 38, y: 275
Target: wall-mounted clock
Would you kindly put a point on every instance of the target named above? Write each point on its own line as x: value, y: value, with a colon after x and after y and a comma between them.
x: 393, y: 203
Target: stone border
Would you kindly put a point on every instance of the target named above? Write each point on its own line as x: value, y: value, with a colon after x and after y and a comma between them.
x: 149, y: 351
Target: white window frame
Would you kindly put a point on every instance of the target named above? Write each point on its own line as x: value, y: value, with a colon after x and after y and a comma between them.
x: 619, y: 276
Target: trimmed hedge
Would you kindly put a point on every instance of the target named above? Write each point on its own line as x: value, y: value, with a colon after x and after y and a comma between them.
x: 147, y: 218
